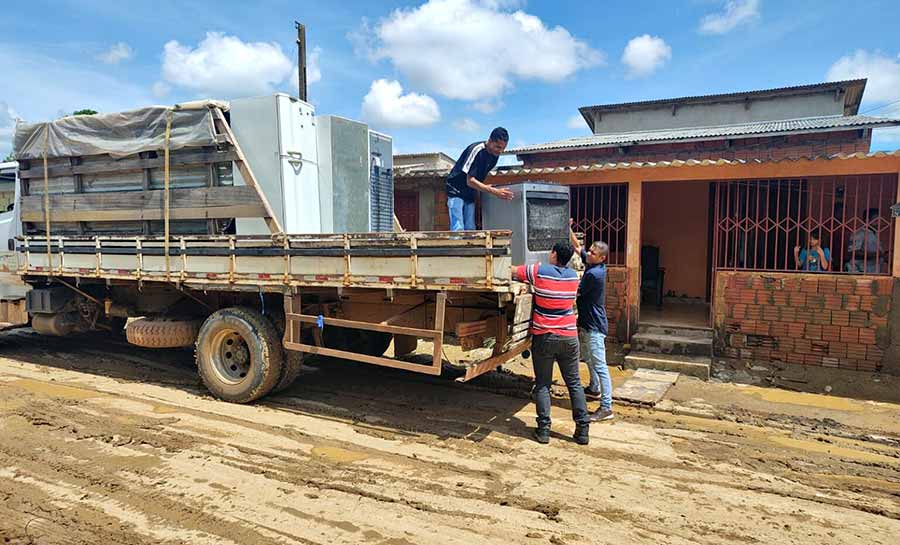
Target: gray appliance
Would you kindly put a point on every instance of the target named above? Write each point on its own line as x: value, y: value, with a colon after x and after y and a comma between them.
x: 538, y: 216
x: 356, y: 185
x: 278, y: 136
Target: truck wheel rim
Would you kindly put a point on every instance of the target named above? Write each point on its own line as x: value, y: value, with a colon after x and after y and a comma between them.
x: 231, y: 357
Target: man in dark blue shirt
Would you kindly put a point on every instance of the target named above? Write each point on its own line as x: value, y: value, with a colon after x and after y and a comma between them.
x: 468, y: 176
x: 593, y: 326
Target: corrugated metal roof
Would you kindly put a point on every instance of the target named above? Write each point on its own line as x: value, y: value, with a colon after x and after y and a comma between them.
x: 728, y: 96
x: 518, y: 171
x: 761, y: 128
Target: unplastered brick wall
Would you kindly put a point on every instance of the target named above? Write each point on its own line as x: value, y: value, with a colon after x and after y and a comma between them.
x: 805, y: 319
x: 616, y: 300
x: 771, y: 148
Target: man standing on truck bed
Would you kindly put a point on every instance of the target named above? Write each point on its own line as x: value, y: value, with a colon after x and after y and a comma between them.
x: 555, y: 338
x: 469, y: 174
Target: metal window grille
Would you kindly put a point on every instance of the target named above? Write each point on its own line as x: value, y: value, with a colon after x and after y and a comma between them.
x: 601, y: 213
x: 759, y: 224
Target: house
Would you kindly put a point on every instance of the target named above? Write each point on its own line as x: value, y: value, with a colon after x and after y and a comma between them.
x: 420, y: 201
x: 704, y: 199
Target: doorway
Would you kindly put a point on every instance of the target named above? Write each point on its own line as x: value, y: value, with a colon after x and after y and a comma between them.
x: 675, y: 253
x: 406, y: 208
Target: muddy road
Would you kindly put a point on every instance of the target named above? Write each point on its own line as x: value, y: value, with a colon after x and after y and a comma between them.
x: 105, y: 443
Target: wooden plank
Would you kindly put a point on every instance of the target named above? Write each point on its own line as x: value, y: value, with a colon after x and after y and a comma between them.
x: 633, y: 250
x: 683, y: 171
x: 494, y: 361
x: 523, y: 308
x: 384, y: 362
x: 178, y: 159
x: 464, y: 329
x: 896, y: 256
x: 439, y: 310
x: 524, y: 326
x: 249, y: 179
x: 519, y: 336
x: 368, y: 326
x: 195, y: 203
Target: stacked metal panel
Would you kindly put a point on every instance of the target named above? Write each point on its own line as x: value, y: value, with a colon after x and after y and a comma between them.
x: 381, y: 182
x: 356, y: 184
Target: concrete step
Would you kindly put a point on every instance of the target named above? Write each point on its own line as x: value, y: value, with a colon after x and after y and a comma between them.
x: 656, y: 343
x: 678, y: 331
x: 693, y: 366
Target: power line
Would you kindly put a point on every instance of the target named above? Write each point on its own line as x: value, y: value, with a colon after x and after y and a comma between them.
x: 880, y: 107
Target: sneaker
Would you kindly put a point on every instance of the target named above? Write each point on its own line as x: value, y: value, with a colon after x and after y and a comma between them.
x: 592, y: 394
x: 582, y: 434
x: 542, y: 435
x: 602, y: 414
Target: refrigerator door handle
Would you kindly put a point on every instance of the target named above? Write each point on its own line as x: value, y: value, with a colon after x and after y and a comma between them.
x: 294, y: 156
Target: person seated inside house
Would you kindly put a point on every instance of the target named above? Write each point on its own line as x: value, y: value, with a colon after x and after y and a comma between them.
x: 815, y: 257
x: 866, y: 253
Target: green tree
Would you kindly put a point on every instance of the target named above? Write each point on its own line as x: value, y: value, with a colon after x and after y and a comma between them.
x: 86, y: 111
x: 9, y: 158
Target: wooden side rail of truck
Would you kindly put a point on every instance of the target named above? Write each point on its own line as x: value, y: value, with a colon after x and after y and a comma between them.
x: 254, y: 305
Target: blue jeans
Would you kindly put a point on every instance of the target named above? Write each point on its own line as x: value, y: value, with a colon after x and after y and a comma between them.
x: 462, y: 214
x: 593, y: 351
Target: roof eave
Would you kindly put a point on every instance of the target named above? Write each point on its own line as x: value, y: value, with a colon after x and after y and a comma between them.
x: 854, y: 84
x: 891, y: 123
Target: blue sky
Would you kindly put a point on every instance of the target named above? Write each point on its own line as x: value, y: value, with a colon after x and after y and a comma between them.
x: 438, y: 75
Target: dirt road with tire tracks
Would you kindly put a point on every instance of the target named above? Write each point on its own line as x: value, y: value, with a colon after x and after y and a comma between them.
x: 104, y: 443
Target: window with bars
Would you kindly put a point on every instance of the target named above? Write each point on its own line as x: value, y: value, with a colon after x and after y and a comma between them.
x: 766, y: 225
x: 601, y: 213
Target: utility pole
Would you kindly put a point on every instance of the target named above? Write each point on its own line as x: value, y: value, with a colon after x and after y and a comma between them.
x: 301, y: 59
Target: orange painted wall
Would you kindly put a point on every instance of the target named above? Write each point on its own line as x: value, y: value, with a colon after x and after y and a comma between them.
x: 676, y: 219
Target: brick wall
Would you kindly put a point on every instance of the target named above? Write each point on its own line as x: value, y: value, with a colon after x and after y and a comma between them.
x: 766, y: 148
x: 441, y: 213
x: 805, y: 319
x: 616, y: 301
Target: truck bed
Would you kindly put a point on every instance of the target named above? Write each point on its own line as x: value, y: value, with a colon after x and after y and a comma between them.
x: 462, y: 261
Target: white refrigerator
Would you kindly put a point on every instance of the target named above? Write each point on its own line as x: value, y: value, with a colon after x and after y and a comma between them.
x: 278, y: 136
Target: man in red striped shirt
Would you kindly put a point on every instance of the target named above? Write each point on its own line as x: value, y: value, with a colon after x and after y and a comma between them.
x: 554, y: 334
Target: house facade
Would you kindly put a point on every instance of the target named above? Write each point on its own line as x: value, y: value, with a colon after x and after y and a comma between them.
x: 711, y: 200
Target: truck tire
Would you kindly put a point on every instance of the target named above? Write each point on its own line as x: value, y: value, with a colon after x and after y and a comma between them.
x: 158, y: 333
x: 370, y: 343
x: 117, y: 326
x: 293, y: 360
x: 293, y: 364
x: 239, y: 355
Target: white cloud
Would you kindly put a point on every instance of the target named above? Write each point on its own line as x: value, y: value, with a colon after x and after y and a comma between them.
x: 116, y: 53
x: 385, y: 105
x: 645, y: 54
x: 882, y: 96
x: 576, y: 122
x: 224, y: 66
x: 736, y: 12
x: 161, y: 89
x: 75, y: 86
x: 7, y: 128
x: 466, y: 125
x: 313, y: 72
x: 488, y: 106
x: 473, y: 49
x: 882, y: 70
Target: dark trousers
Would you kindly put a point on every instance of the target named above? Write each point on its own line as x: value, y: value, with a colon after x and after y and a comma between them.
x: 549, y: 348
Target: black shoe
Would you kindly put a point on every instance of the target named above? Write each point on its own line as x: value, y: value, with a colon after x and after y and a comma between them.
x: 602, y: 415
x: 542, y: 435
x: 582, y: 434
x: 592, y: 394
